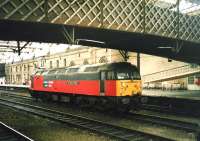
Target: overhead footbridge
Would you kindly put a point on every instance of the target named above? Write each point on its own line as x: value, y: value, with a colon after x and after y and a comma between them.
x: 154, y: 27
x: 171, y: 74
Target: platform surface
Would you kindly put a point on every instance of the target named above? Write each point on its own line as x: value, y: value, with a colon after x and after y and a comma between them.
x: 185, y: 94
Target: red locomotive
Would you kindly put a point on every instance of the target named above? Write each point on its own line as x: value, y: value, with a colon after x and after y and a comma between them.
x: 106, y: 84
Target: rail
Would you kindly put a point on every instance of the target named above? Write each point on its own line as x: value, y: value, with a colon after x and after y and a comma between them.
x: 8, y: 133
x: 155, y: 119
x: 190, y: 126
x: 111, y: 130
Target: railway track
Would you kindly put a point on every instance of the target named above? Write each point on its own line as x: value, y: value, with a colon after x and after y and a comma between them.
x: 164, y: 121
x: 114, y: 131
x: 17, y: 96
x: 9, y: 134
x: 159, y: 120
x: 164, y: 109
x: 178, y: 106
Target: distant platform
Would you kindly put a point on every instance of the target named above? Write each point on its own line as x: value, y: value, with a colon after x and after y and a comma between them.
x: 184, y: 94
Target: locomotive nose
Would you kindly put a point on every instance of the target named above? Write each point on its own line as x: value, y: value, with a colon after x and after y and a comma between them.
x: 129, y: 87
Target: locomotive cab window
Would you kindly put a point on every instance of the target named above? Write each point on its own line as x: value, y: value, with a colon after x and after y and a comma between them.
x: 124, y: 75
x: 136, y: 75
x: 110, y: 75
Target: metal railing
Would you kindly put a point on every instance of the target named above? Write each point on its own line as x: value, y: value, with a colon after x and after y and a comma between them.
x: 170, y: 74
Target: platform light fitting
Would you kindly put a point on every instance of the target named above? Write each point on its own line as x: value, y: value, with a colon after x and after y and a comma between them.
x: 88, y: 40
x: 165, y: 47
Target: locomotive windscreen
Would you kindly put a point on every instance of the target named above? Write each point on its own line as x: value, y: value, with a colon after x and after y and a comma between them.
x: 127, y: 74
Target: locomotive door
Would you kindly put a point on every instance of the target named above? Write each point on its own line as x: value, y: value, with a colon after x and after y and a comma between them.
x: 102, y: 83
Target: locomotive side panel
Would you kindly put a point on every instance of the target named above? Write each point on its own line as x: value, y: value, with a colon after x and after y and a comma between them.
x: 83, y: 87
x: 110, y: 88
x: 75, y: 83
x: 63, y: 86
x: 88, y: 87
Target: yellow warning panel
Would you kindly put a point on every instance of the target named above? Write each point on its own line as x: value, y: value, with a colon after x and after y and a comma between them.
x: 128, y: 87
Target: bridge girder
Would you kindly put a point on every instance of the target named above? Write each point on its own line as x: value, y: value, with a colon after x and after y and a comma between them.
x: 142, y: 16
x: 114, y: 39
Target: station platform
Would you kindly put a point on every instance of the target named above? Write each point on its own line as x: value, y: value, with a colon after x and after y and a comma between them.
x: 182, y: 94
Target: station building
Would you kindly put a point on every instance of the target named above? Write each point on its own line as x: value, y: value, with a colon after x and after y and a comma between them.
x: 20, y: 72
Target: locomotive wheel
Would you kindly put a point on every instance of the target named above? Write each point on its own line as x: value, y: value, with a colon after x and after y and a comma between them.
x: 83, y: 102
x: 46, y: 98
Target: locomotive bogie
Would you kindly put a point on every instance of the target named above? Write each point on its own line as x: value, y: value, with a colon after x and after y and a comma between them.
x: 103, y: 102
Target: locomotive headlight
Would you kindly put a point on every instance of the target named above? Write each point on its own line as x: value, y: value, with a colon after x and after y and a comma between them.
x: 123, y: 84
x: 134, y: 92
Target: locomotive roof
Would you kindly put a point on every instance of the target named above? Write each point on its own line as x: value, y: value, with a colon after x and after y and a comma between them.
x: 95, y: 67
x: 103, y: 66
